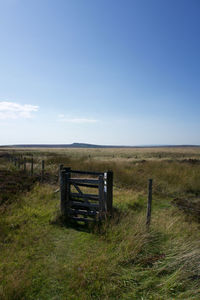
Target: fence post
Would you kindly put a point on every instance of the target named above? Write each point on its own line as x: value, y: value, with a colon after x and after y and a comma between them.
x: 68, y: 188
x: 32, y: 166
x: 59, y: 172
x: 13, y: 155
x: 101, y: 196
x: 42, y: 174
x: 149, y: 203
x: 19, y: 163
x: 64, y: 190
x: 15, y: 161
x: 24, y: 164
x: 109, y: 198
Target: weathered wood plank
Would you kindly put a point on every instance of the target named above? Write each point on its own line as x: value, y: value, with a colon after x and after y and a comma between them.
x: 82, y: 212
x: 59, y: 171
x: 86, y: 172
x: 109, y: 192
x: 88, y: 185
x: 32, y: 166
x: 68, y: 188
x: 77, y: 188
x: 87, y: 181
x: 101, y: 193
x: 90, y: 206
x: 81, y: 219
x: 19, y: 163
x: 63, y: 193
x: 85, y: 196
x: 24, y: 164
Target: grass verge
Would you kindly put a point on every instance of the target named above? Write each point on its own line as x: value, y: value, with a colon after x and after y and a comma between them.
x: 43, y: 260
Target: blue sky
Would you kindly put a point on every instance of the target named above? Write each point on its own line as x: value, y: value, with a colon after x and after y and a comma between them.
x: 100, y: 71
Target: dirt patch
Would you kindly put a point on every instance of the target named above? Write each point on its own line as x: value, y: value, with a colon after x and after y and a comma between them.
x: 189, y: 206
x: 190, y: 161
x: 12, y: 183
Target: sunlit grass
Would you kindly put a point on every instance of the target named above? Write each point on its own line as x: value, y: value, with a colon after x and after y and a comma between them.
x: 44, y: 260
x: 41, y: 258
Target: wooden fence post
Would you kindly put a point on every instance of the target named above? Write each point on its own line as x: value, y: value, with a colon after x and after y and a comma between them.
x: 68, y: 188
x: 64, y: 190
x: 149, y: 203
x: 109, y: 198
x: 101, y: 196
x: 59, y: 172
x: 32, y: 166
x: 15, y: 161
x: 19, y: 163
x: 24, y: 164
x: 42, y: 174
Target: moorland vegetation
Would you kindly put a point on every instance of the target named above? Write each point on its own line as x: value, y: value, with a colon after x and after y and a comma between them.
x: 42, y: 258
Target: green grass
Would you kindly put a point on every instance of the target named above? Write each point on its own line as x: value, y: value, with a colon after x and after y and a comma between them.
x: 40, y: 258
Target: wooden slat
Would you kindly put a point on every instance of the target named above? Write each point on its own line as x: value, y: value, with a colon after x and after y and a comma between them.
x: 78, y: 190
x: 87, y: 181
x: 109, y: 194
x: 85, y: 196
x: 87, y: 185
x: 86, y: 172
x: 101, y: 193
x: 68, y: 189
x: 82, y: 212
x: 63, y: 193
x: 81, y: 219
x: 90, y: 206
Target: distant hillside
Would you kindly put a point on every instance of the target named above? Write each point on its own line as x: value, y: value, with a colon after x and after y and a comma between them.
x: 74, y: 145
x: 85, y: 145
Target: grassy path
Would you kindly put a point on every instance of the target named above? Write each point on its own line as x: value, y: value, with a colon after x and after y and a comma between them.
x: 43, y: 260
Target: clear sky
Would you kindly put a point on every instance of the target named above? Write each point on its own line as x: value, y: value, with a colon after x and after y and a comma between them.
x: 120, y: 72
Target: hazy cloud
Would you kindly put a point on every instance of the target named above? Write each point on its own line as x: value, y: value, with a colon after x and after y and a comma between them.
x: 62, y: 118
x: 12, y: 110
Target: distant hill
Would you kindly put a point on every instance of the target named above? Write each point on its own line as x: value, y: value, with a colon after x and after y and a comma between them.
x: 74, y: 145
x: 85, y: 145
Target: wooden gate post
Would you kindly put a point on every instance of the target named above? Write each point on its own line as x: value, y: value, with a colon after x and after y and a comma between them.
x: 24, y: 164
x: 19, y: 163
x: 101, y: 196
x: 68, y: 189
x: 149, y: 203
x: 32, y: 166
x: 64, y: 190
x: 59, y: 172
x: 109, y: 198
x: 42, y: 174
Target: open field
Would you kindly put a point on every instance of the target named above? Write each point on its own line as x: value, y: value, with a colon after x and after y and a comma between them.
x: 41, y: 258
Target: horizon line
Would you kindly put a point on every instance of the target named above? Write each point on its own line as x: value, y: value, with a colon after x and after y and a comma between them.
x: 87, y: 145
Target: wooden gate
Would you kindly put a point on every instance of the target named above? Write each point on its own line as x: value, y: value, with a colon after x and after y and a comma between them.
x: 87, y: 197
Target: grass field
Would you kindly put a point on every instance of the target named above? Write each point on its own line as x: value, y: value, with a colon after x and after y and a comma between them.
x: 41, y: 258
